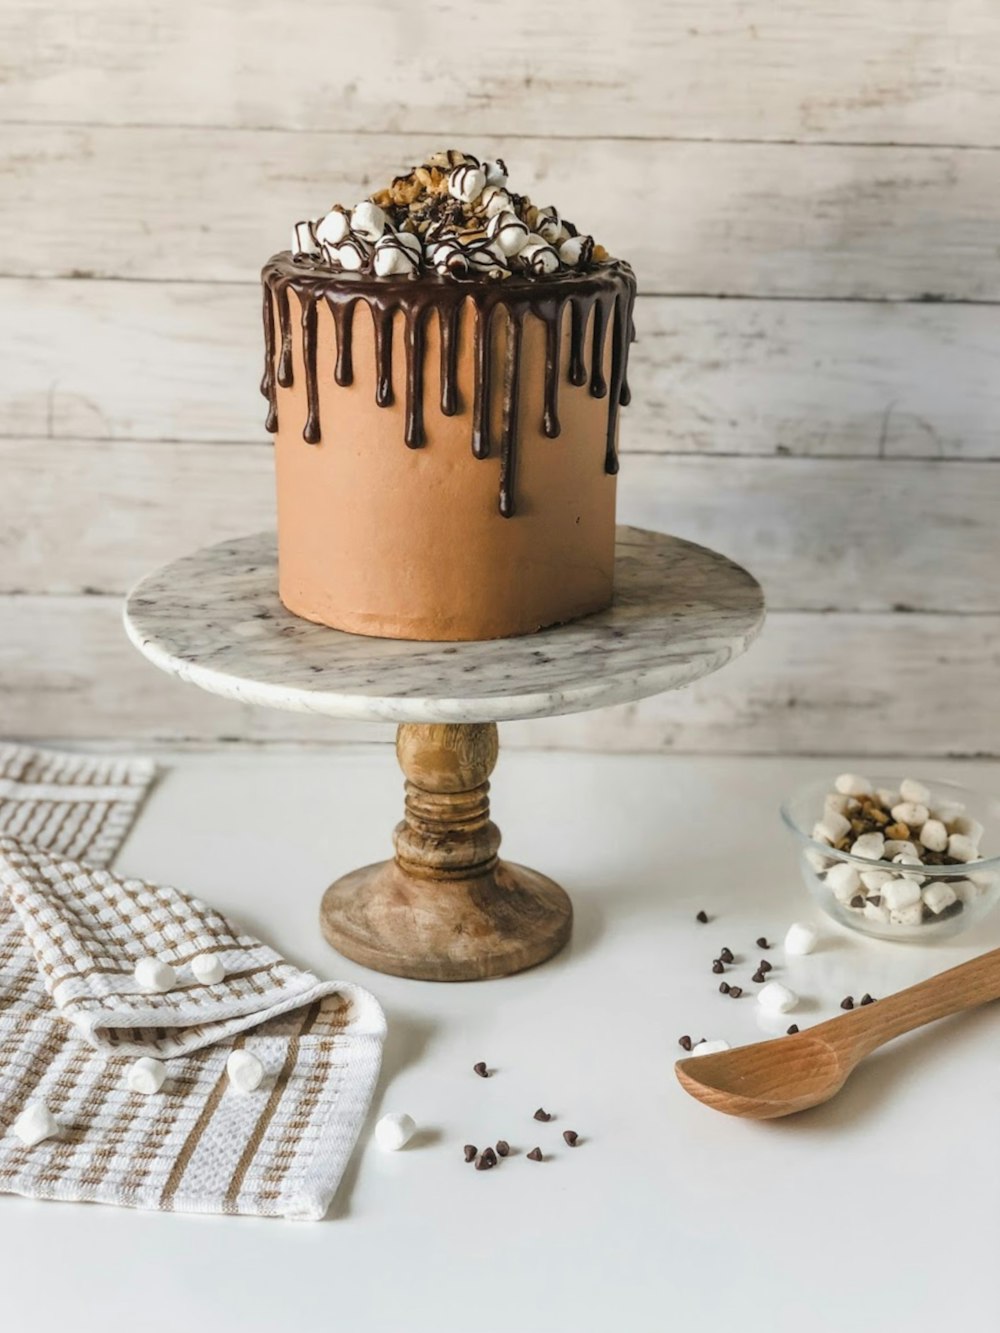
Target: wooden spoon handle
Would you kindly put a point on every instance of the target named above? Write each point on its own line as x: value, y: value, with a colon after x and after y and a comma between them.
x: 963, y: 987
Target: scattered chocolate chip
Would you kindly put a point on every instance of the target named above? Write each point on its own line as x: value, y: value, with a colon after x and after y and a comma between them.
x: 483, y: 1163
x: 503, y: 1147
x: 481, y: 1069
x: 758, y: 976
x: 762, y: 943
x: 867, y: 999
x: 847, y: 1002
x: 717, y: 966
x: 724, y: 987
x: 542, y: 1115
x: 858, y: 900
x: 792, y: 1030
x: 470, y: 1151
x: 735, y: 992
x: 702, y: 917
x: 764, y: 966
x: 571, y: 1136
x: 685, y: 1042
x: 490, y: 1156
x: 535, y: 1155
x: 726, y: 955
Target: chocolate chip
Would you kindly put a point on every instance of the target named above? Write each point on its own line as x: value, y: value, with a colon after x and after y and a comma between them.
x: 470, y: 1151
x: 481, y: 1069
x: 717, y: 966
x: 702, y: 917
x: 792, y: 1030
x: 490, y: 1156
x: 535, y: 1155
x: 764, y: 966
x: 542, y: 1115
x: 483, y: 1163
x: 724, y: 987
x: 571, y: 1136
x: 685, y: 1042
x: 867, y: 999
x: 762, y: 943
x: 847, y: 1002
x: 858, y: 900
x: 758, y: 976
x: 503, y: 1147
x: 726, y: 955
x: 735, y: 992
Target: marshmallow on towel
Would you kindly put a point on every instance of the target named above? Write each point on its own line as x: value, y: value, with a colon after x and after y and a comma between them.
x: 154, y: 975
x: 246, y: 1073
x: 146, y: 1075
x: 35, y: 1123
x: 208, y: 968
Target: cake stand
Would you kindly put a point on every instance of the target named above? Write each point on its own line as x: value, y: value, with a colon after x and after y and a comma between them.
x: 446, y: 908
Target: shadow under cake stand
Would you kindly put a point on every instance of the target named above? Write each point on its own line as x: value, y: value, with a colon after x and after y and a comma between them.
x: 446, y: 908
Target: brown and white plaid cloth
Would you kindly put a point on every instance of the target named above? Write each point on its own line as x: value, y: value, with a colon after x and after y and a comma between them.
x: 72, y: 1020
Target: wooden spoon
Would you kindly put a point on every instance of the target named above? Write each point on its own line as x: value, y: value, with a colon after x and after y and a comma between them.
x: 776, y: 1078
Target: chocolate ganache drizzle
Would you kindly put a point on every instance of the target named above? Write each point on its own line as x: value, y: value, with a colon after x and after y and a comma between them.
x: 601, y: 299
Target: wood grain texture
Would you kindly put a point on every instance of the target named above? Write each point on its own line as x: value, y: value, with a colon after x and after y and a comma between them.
x: 819, y: 533
x: 918, y: 72
x: 731, y: 219
x: 181, y: 361
x: 895, y: 684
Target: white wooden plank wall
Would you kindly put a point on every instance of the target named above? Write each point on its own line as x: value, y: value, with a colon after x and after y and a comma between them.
x: 810, y: 195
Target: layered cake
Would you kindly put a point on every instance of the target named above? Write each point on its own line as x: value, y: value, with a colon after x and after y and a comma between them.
x: 444, y: 366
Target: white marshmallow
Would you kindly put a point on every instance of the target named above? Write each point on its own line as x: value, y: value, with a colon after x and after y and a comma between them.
x: 571, y: 250
x: 496, y: 172
x: 969, y: 828
x: 507, y: 232
x: 905, y: 859
x: 538, y: 255
x: 934, y: 835
x: 912, y: 790
x: 800, y: 938
x: 869, y: 845
x: 984, y: 880
x: 393, y: 255
x: 333, y: 228
x: 776, y: 997
x: 816, y: 859
x: 467, y: 182
x: 146, y: 1075
x: 907, y: 916
x: 836, y: 800
x: 208, y: 968
x: 35, y: 1123
x: 246, y: 1073
x: 394, y: 1131
x: 899, y: 847
x: 852, y: 784
x: 304, y: 240
x: 351, y: 254
x: 899, y: 893
x: 495, y: 199
x: 874, y: 879
x: 962, y: 848
x: 887, y: 797
x: 947, y: 811
x: 938, y: 895
x: 368, y: 220
x: 910, y: 812
x: 967, y: 889
x: 831, y: 828
x: 153, y: 974
x: 711, y: 1047
x: 843, y: 881
x: 549, y: 227
x: 877, y: 913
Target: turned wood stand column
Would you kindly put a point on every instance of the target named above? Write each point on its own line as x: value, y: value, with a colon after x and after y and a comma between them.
x: 446, y: 908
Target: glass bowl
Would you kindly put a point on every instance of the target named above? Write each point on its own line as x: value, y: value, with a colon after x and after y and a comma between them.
x: 961, y: 894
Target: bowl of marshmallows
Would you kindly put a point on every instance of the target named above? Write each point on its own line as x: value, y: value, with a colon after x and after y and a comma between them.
x: 898, y: 859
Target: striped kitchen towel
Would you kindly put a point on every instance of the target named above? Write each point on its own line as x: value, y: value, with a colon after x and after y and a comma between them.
x: 72, y: 1020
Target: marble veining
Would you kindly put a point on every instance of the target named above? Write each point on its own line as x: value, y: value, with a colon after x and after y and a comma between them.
x: 214, y: 619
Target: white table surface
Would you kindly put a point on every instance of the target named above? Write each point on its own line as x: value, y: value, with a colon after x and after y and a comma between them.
x: 875, y: 1212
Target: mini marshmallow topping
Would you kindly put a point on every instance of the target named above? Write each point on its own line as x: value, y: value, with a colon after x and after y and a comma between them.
x: 451, y: 215
x: 154, y: 975
x: 146, y: 1075
x: 246, y: 1073
x: 35, y: 1123
x: 208, y: 968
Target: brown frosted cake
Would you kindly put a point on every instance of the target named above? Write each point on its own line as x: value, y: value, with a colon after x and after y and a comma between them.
x: 444, y: 367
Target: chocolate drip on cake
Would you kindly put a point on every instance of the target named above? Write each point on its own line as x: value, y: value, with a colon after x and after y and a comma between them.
x: 604, y: 295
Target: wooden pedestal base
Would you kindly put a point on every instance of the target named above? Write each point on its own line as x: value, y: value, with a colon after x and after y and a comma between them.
x: 446, y: 909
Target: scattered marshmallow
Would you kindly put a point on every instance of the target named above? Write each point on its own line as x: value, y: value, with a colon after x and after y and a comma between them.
x: 800, y: 938
x: 146, y: 1075
x: 843, y: 881
x: 246, y: 1073
x: 155, y: 975
x: 35, y: 1123
x: 911, y: 790
x: 962, y: 848
x: 394, y: 1131
x: 910, y: 812
x: 711, y: 1047
x: 869, y: 845
x: 208, y: 968
x: 852, y: 784
x: 934, y: 835
x: 776, y: 997
x: 938, y: 895
x: 368, y: 220
x: 899, y: 893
